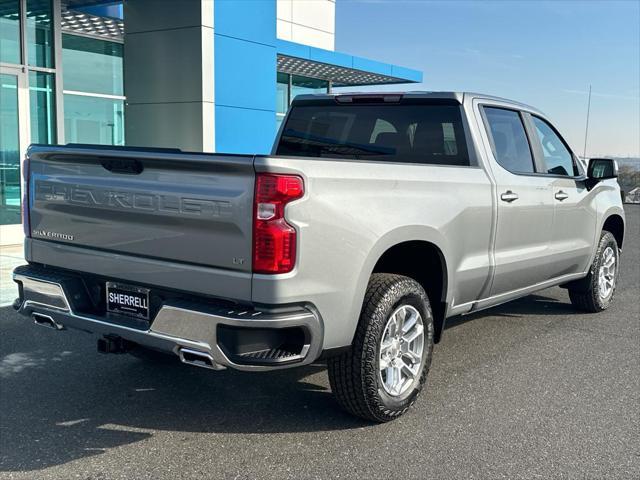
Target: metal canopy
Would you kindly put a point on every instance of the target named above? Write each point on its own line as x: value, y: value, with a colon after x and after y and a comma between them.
x: 87, y: 24
x: 87, y: 3
x: 339, y: 76
x: 340, y: 73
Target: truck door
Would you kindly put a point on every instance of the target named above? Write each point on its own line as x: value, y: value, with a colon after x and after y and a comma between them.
x: 524, y: 203
x: 574, y: 227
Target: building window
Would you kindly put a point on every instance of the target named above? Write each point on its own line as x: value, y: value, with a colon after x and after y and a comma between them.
x: 282, y: 98
x: 96, y: 120
x: 40, y: 33
x: 42, y: 107
x: 9, y: 151
x: 93, y: 90
x: 91, y: 65
x: 304, y: 85
x: 10, y: 32
x: 288, y: 86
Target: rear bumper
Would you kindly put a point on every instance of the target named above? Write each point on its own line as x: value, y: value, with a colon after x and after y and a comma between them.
x: 179, y: 327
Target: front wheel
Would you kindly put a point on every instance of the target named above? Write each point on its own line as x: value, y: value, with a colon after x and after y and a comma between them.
x: 595, y: 293
x: 383, y: 373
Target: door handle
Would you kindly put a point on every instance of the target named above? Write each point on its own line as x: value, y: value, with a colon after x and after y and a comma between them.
x: 561, y: 195
x: 509, y: 196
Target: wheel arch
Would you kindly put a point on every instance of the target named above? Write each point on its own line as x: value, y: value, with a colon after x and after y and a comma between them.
x: 614, y: 223
x: 396, y: 253
x: 430, y: 272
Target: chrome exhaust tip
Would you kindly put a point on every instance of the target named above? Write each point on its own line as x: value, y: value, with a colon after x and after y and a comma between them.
x: 46, y: 321
x: 198, y: 359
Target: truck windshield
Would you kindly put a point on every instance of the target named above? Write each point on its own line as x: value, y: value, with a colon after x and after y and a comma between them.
x: 414, y: 133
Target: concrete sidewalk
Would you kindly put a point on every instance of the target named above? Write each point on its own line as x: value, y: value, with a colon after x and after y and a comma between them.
x: 10, y: 258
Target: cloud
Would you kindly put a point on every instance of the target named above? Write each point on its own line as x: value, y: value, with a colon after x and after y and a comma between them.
x: 601, y: 95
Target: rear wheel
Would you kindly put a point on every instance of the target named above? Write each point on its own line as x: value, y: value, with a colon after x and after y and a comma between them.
x: 383, y: 373
x: 595, y: 293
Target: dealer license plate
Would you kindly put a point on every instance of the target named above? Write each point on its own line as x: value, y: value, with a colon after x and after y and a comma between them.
x: 128, y: 300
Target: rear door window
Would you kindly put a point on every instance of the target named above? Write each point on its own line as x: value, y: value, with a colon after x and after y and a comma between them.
x: 510, y: 144
x: 413, y: 133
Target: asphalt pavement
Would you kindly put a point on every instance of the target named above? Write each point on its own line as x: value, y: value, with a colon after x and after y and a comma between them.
x: 531, y: 389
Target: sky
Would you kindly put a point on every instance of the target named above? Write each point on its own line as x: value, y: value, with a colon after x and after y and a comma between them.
x: 543, y: 53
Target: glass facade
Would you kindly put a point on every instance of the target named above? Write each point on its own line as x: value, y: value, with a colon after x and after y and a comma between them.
x: 91, y: 65
x: 282, y: 97
x: 305, y: 85
x: 93, y: 120
x: 27, y: 91
x: 93, y: 90
x: 10, y: 31
x: 9, y: 151
x: 93, y: 98
x: 289, y: 86
x: 42, y: 107
x: 40, y: 33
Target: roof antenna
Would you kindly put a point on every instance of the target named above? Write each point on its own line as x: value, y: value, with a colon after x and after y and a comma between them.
x: 586, y: 128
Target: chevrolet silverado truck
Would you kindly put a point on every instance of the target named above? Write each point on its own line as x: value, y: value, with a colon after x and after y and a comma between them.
x: 376, y: 218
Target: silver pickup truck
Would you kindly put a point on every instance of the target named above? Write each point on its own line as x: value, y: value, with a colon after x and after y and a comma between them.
x: 377, y: 217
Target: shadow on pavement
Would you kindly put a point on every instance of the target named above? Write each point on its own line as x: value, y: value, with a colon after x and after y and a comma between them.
x: 64, y: 401
x: 532, y: 305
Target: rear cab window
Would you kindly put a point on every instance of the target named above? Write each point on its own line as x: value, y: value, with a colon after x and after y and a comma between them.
x: 409, y: 132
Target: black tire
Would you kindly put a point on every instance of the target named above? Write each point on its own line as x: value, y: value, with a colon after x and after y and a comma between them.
x: 586, y: 295
x: 354, y: 375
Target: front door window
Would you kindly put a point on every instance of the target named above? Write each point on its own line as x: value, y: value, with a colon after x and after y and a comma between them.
x: 558, y: 159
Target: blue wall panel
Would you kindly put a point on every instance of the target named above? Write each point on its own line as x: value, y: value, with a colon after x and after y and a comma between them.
x: 245, y: 75
x: 241, y: 130
x: 113, y: 11
x: 406, y: 73
x: 292, y: 49
x: 331, y: 57
x: 245, y: 60
x: 252, y: 20
x: 367, y: 65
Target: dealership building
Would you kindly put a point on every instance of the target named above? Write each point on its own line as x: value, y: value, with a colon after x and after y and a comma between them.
x: 200, y: 75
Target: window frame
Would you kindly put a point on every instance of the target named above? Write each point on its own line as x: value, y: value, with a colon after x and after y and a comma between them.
x: 537, y: 148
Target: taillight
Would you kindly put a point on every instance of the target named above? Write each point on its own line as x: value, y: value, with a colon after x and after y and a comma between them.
x: 24, y: 210
x: 274, y: 240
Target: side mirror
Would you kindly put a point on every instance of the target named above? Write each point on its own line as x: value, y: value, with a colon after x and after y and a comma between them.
x: 602, y: 169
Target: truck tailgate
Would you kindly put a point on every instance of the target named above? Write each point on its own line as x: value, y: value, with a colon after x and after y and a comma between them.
x: 171, y: 206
